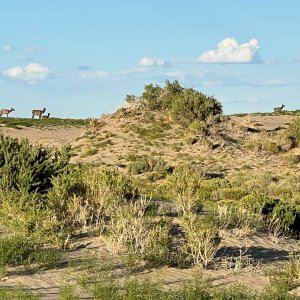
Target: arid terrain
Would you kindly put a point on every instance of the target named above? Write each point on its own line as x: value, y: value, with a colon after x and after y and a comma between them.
x: 111, y: 140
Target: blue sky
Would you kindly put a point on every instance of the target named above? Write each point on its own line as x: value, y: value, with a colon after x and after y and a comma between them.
x: 79, y: 58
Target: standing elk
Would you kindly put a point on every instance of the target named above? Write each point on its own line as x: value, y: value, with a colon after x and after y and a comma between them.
x: 46, y: 116
x: 38, y: 112
x: 6, y: 111
x: 279, y: 109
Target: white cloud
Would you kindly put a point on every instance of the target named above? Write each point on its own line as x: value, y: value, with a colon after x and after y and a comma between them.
x: 31, y: 73
x: 8, y: 48
x: 94, y: 75
x: 149, y: 62
x: 230, y: 51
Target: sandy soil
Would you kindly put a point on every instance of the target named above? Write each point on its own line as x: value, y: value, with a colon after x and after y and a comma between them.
x: 259, y: 253
x: 51, y: 136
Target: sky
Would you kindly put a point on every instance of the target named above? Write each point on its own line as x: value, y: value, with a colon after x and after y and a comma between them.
x: 80, y: 58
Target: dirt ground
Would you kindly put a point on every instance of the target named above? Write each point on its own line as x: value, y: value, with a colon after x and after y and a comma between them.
x: 259, y: 253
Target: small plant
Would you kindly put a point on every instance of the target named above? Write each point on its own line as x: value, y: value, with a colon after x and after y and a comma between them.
x: 201, y: 239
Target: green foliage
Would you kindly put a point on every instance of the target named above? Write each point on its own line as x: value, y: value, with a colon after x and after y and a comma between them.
x: 201, y: 239
x: 293, y: 131
x: 184, y: 185
x: 193, y: 105
x: 151, y: 97
x: 16, y: 293
x: 15, y: 251
x: 66, y: 293
x: 185, y: 105
x: 29, y: 168
x: 42, y: 123
x: 144, y: 164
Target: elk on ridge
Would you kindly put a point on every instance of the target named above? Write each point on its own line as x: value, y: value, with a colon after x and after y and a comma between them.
x: 6, y: 111
x: 38, y: 112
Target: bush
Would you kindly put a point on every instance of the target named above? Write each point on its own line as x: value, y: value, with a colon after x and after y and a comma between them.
x: 16, y: 293
x: 192, y: 105
x: 201, y: 239
x: 186, y: 105
x: 131, y: 232
x: 144, y: 164
x: 184, y: 185
x: 16, y: 251
x: 293, y: 131
x: 29, y: 168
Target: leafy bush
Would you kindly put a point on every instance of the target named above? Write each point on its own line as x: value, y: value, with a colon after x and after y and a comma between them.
x: 185, y: 184
x: 29, y: 168
x: 15, y: 251
x: 185, y: 105
x: 192, y: 105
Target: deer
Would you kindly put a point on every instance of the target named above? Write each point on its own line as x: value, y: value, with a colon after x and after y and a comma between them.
x: 6, y: 111
x: 46, y: 116
x: 279, y: 109
x: 38, y: 112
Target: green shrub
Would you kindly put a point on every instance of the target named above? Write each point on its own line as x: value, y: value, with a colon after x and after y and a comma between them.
x: 192, y: 105
x: 15, y: 251
x: 229, y: 193
x: 201, y: 239
x: 29, y: 168
x: 16, y: 294
x: 293, y: 131
x: 184, y: 185
x: 143, y: 164
x: 66, y: 293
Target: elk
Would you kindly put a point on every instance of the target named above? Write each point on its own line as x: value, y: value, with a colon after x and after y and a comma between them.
x: 278, y: 109
x: 46, y: 116
x: 38, y: 112
x: 6, y: 111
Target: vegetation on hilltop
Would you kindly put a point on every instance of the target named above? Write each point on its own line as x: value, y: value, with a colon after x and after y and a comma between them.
x: 185, y: 104
x: 40, y: 123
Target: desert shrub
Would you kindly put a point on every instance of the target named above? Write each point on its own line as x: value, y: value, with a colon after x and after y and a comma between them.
x: 271, y: 147
x: 286, y: 212
x: 232, y: 215
x: 151, y: 97
x: 131, y: 231
x: 66, y: 292
x: 198, y: 127
x: 192, y: 105
x: 16, y: 293
x: 27, y: 167
x: 293, y: 131
x: 185, y: 105
x: 185, y: 184
x: 230, y: 193
x: 286, y: 142
x: 138, y: 166
x: 201, y: 239
x: 143, y: 164
x: 234, y: 291
x: 15, y: 251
